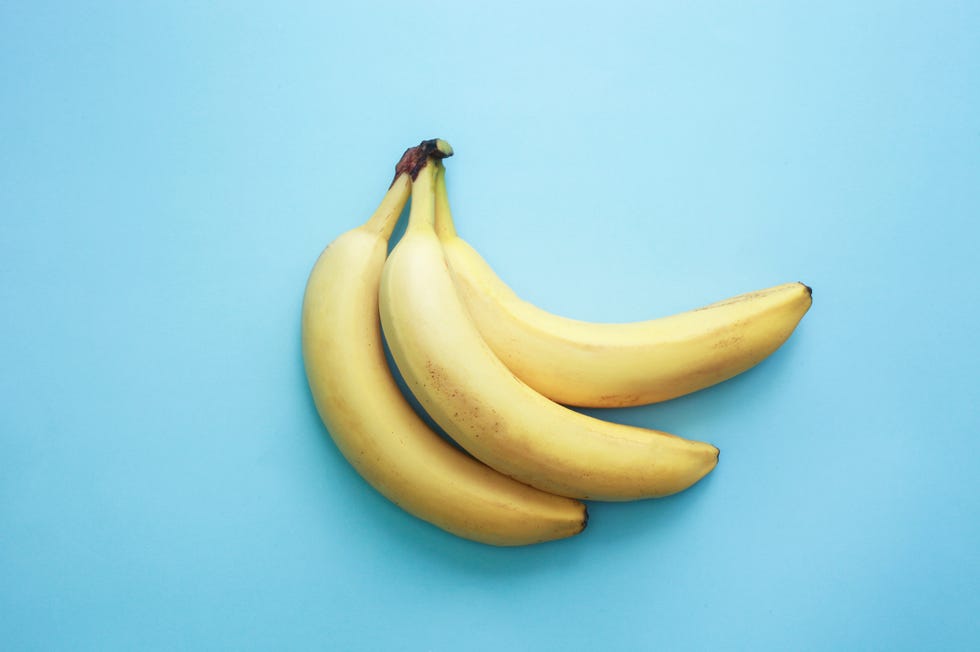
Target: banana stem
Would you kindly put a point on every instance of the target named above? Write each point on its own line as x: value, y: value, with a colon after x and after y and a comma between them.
x: 416, y: 158
x: 423, y: 213
x: 413, y: 161
x: 386, y: 216
x: 445, y: 228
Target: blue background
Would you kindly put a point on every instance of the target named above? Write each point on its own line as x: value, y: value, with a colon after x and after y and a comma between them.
x: 170, y: 171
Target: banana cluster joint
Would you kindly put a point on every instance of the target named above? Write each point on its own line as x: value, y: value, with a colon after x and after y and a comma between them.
x: 416, y: 158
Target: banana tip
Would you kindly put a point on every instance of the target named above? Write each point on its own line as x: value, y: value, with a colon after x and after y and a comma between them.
x: 809, y: 290
x: 443, y: 148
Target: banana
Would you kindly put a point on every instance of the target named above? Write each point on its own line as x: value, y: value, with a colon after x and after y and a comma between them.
x: 492, y: 414
x: 372, y: 423
x: 590, y: 364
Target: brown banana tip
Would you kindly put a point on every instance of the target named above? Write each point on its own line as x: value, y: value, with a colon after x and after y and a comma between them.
x: 416, y: 158
x: 585, y: 517
x: 809, y: 290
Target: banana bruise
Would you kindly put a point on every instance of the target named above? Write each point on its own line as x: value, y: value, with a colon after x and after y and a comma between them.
x: 589, y: 364
x: 372, y: 423
x: 491, y: 413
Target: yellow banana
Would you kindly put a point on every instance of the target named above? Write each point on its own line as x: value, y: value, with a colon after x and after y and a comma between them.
x: 591, y: 364
x: 374, y: 426
x: 471, y: 394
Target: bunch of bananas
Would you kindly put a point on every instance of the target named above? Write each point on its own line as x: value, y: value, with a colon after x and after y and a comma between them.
x: 496, y: 373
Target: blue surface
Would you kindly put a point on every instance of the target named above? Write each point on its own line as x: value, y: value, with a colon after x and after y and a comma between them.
x: 170, y: 171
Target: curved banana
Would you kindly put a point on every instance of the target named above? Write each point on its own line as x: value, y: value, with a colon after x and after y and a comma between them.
x: 375, y: 427
x: 616, y: 365
x: 468, y: 391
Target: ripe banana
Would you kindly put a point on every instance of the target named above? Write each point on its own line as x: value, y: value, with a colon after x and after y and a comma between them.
x: 616, y: 365
x: 371, y: 422
x: 471, y: 394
